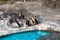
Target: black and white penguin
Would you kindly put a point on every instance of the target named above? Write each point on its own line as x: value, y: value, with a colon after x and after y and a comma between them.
x: 21, y: 16
x: 31, y: 22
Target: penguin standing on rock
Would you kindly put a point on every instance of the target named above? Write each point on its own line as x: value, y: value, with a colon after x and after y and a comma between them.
x: 28, y: 22
x: 14, y: 21
x: 21, y: 16
x: 31, y: 22
x: 34, y: 20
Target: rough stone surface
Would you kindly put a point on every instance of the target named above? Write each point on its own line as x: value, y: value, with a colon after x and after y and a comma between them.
x: 36, y: 8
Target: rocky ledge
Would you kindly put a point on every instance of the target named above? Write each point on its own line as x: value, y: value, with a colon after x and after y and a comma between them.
x: 42, y: 26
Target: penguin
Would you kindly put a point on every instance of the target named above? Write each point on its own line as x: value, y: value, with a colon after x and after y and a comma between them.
x: 27, y: 23
x: 31, y: 22
x: 34, y: 19
x: 21, y: 16
x: 14, y: 22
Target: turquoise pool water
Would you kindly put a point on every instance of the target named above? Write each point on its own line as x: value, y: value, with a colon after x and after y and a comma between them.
x: 29, y: 35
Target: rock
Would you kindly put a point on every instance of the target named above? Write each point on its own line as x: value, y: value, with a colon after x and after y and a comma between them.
x: 52, y: 23
x: 3, y: 32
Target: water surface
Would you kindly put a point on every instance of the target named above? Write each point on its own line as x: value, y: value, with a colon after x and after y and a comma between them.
x: 29, y: 35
